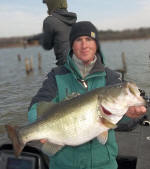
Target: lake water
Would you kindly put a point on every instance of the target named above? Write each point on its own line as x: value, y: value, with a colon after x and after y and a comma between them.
x: 17, y: 88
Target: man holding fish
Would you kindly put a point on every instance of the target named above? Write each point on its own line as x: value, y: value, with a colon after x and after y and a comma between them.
x: 82, y: 111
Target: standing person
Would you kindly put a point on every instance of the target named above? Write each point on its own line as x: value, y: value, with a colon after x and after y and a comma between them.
x: 83, y: 71
x: 56, y: 29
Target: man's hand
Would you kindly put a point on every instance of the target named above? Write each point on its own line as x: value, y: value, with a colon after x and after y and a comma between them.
x: 136, y: 111
x: 43, y: 141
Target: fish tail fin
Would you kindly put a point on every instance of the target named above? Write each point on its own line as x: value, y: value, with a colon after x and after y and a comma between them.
x: 12, y: 134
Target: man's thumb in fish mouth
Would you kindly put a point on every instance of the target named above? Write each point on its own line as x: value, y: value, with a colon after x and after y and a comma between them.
x: 43, y: 141
x: 136, y: 111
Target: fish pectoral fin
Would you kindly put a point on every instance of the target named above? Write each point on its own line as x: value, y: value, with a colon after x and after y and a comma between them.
x: 51, y: 149
x: 102, y: 138
x: 108, y: 124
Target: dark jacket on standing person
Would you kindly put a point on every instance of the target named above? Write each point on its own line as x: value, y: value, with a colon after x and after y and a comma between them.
x: 56, y: 29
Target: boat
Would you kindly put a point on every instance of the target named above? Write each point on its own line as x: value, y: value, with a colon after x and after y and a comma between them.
x: 30, y: 158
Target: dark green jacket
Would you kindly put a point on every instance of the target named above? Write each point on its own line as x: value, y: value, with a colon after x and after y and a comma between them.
x: 66, y: 80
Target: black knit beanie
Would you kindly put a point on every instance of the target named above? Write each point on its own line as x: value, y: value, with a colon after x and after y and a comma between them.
x: 83, y: 28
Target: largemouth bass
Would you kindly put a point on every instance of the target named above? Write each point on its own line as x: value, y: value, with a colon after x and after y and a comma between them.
x: 80, y: 119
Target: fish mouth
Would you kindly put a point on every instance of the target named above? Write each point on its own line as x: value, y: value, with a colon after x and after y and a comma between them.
x: 134, y: 90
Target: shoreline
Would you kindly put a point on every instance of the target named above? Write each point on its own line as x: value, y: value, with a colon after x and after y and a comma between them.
x: 25, y: 44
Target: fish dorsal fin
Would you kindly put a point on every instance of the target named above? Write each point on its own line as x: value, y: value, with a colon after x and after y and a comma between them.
x: 71, y: 96
x: 102, y: 138
x: 44, y: 107
x: 51, y: 149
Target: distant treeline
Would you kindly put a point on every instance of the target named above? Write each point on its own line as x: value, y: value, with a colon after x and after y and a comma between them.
x: 16, y: 42
x: 141, y: 33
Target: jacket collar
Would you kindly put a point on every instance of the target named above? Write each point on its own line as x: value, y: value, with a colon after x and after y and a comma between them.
x: 97, y: 68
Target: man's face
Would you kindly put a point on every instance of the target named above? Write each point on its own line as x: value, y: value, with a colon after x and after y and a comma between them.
x: 84, y: 48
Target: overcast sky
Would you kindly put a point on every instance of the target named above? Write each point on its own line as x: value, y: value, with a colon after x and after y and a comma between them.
x: 25, y: 17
